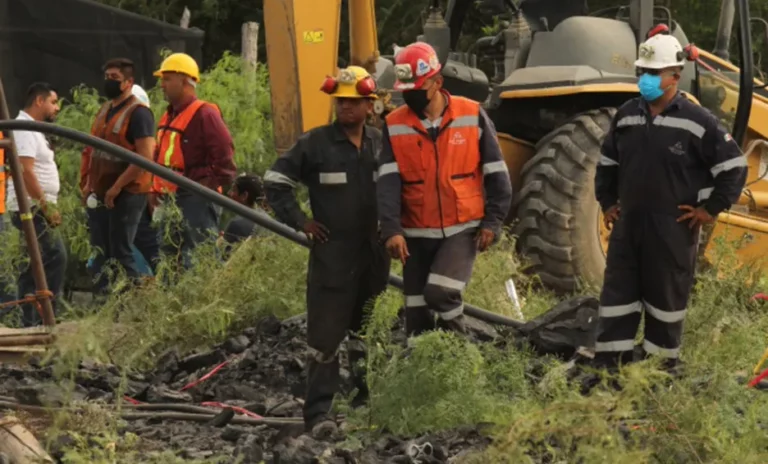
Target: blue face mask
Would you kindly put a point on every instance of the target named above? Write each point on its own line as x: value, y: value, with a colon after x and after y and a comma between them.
x: 650, y: 87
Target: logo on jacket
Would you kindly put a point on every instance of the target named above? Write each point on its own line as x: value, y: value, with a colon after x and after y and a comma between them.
x: 457, y: 139
x: 677, y: 149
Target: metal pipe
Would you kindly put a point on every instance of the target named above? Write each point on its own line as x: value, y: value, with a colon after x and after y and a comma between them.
x: 27, y: 223
x: 724, y: 30
x: 746, y: 74
x: 258, y: 217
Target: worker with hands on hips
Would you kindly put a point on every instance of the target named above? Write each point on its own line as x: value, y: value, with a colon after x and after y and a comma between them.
x: 348, y: 266
x: 443, y: 191
x: 667, y: 167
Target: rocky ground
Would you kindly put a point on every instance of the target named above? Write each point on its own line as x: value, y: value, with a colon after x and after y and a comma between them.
x: 264, y: 374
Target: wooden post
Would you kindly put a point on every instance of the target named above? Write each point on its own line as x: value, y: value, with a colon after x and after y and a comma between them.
x: 250, y: 45
x: 185, y: 17
x: 27, y: 226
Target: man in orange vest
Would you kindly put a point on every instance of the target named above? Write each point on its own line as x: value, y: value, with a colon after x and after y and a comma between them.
x: 443, y: 190
x: 116, y: 191
x: 193, y: 140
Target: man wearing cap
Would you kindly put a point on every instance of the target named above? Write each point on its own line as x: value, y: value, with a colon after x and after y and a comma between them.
x: 192, y: 140
x: 443, y: 190
x: 347, y: 264
x: 118, y: 189
x: 667, y: 167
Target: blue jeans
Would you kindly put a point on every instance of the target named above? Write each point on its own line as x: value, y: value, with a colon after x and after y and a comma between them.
x: 113, y: 231
x: 146, y: 240
x: 200, y: 223
x: 54, y: 256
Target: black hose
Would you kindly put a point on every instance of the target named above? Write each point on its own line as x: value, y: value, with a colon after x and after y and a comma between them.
x: 746, y: 74
x: 258, y: 217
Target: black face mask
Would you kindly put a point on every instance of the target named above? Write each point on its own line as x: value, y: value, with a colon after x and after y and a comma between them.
x: 112, y: 88
x: 416, y: 100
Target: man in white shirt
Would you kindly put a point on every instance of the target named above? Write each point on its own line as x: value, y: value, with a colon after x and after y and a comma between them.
x: 41, y: 178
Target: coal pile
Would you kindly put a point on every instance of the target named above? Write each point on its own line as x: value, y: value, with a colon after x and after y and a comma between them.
x: 260, y: 372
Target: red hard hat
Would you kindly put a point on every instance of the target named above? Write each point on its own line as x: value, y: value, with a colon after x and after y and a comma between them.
x: 414, y: 64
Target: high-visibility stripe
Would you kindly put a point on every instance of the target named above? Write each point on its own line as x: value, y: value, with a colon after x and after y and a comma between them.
x: 705, y: 193
x: 396, y: 130
x: 627, y: 121
x: 440, y: 233
x: 415, y: 301
x: 168, y: 155
x: 620, y: 310
x: 670, y: 317
x: 669, y: 353
x: 605, y: 161
x: 733, y: 163
x: 445, y: 282
x: 494, y: 167
x: 388, y: 168
x: 612, y: 347
x: 278, y: 178
x: 451, y: 314
x: 680, y: 123
x: 333, y: 178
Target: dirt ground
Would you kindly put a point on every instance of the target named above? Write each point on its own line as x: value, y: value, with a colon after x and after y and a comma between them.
x: 264, y: 374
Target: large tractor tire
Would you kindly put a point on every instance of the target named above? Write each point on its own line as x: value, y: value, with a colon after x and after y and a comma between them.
x: 558, y: 219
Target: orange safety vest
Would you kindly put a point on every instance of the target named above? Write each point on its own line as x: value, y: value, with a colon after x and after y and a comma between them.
x: 442, y: 180
x: 104, y: 169
x: 3, y: 178
x: 170, y: 133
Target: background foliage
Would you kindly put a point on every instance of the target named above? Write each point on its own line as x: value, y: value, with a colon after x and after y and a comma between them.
x: 399, y: 21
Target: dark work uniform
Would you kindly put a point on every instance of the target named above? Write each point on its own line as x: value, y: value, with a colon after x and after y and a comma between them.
x: 650, y: 166
x: 348, y: 270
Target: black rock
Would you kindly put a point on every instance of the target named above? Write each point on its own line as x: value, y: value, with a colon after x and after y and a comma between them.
x: 231, y: 433
x: 301, y: 450
x: 250, y: 450
x: 270, y: 325
x: 257, y: 407
x: 197, y: 361
x: 49, y: 395
x: 237, y: 344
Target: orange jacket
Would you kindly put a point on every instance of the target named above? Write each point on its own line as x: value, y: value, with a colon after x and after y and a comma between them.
x: 442, y: 180
x: 104, y: 169
x: 170, y: 133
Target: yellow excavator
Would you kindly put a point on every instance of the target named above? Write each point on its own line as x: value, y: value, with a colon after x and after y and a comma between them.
x: 560, y: 73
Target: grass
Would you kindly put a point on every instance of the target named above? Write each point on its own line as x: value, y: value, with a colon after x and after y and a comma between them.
x: 442, y: 382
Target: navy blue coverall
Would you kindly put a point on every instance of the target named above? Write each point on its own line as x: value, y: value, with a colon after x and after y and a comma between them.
x: 649, y: 167
x: 348, y: 270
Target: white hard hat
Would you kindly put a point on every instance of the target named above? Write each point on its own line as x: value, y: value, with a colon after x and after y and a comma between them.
x: 659, y: 52
x: 139, y: 93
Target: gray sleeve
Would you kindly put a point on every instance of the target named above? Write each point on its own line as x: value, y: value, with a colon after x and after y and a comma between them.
x: 728, y: 167
x: 607, y: 172
x: 280, y: 182
x: 496, y: 181
x: 388, y: 190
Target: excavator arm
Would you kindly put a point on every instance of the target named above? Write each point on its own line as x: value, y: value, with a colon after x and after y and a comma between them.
x: 302, y: 39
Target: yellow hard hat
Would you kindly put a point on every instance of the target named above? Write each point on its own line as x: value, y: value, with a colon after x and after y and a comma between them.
x: 352, y: 82
x: 180, y: 63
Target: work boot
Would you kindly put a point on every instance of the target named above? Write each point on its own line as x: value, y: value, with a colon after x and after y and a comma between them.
x: 456, y: 325
x: 322, y: 428
x: 418, y: 321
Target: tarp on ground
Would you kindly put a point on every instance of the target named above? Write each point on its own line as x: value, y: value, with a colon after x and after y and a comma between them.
x: 66, y: 42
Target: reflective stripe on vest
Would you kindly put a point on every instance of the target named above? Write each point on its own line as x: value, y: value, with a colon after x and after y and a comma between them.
x: 170, y: 133
x: 115, y: 129
x: 442, y: 180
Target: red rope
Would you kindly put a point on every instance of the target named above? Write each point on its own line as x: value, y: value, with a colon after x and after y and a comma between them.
x: 205, y: 377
